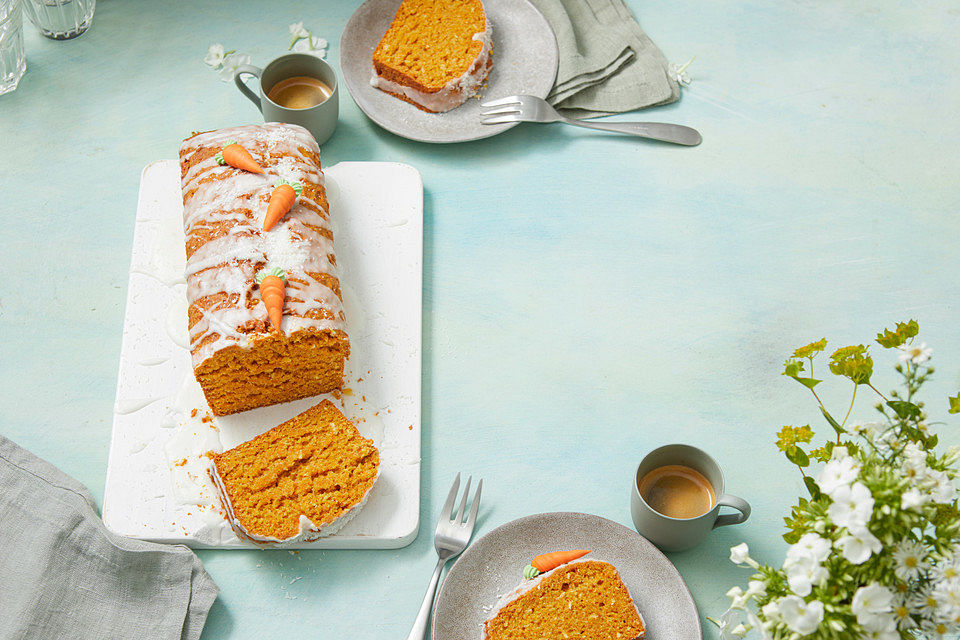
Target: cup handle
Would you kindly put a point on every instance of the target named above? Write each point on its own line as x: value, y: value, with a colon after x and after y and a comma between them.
x: 248, y: 70
x: 741, y: 505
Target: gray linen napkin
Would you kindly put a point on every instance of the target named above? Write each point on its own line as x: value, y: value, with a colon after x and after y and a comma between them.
x: 63, y: 575
x: 607, y: 63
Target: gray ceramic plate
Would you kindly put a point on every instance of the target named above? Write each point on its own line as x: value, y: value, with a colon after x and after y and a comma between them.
x: 492, y: 566
x: 524, y: 61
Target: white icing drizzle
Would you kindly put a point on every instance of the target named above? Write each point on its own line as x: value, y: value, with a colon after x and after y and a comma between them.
x: 456, y: 91
x: 226, y: 263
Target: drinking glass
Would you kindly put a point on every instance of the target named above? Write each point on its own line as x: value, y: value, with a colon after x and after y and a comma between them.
x: 12, y: 60
x: 60, y: 19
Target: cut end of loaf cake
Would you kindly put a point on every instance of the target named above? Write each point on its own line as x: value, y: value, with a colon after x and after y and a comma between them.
x: 315, y: 466
x: 273, y: 370
x: 435, y: 54
x: 583, y: 599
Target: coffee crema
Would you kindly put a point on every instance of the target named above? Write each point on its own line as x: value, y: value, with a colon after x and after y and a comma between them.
x: 299, y: 92
x: 677, y: 491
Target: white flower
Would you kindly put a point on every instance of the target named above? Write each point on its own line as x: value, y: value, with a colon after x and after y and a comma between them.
x: 811, y: 546
x: 924, y: 603
x: 946, y: 569
x: 913, y: 498
x: 914, y: 463
x: 756, y: 589
x: 852, y: 506
x: 230, y: 64
x: 297, y: 30
x: 313, y: 45
x: 887, y: 632
x: 934, y: 630
x: 908, y: 557
x: 803, y: 574
x: 872, y: 605
x: 680, y: 72
x: 801, y: 617
x: 738, y: 599
x: 901, y: 613
x: 771, y: 611
x: 943, y: 491
x: 917, y: 354
x: 947, y: 595
x: 214, y: 57
x: 740, y: 554
x: 858, y: 545
x: 838, y: 473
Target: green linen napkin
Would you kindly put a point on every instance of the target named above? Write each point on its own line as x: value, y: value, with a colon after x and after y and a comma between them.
x: 66, y: 576
x: 607, y: 63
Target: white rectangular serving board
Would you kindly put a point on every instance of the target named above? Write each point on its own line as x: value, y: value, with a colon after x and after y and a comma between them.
x: 157, y: 487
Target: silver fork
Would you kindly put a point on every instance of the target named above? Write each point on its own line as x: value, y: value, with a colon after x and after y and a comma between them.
x: 534, y: 109
x: 451, y: 538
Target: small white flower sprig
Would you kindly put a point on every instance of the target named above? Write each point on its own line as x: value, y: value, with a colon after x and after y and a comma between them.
x: 875, y: 549
x: 227, y: 62
x: 679, y: 72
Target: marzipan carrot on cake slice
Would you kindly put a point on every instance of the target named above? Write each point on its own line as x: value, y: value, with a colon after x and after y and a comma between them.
x: 281, y: 200
x: 238, y: 157
x: 272, y: 291
x: 549, y: 561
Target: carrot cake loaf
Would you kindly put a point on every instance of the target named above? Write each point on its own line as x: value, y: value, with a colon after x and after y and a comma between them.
x: 435, y: 54
x: 299, y: 481
x: 564, y: 597
x: 265, y: 313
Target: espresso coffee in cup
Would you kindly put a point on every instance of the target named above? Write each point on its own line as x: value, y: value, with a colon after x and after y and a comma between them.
x: 299, y: 92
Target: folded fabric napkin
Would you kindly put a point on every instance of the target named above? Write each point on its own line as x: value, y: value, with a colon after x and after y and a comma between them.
x: 66, y: 576
x: 607, y: 63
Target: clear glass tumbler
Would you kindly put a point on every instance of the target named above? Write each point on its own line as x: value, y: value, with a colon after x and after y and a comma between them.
x: 60, y: 19
x: 13, y: 62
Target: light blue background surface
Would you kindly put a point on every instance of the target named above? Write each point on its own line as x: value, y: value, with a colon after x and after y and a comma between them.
x: 587, y: 297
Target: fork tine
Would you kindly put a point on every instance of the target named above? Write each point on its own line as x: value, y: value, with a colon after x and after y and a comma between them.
x: 502, y: 119
x: 501, y: 101
x: 451, y: 498
x: 512, y: 108
x: 475, y: 507
x: 463, y: 502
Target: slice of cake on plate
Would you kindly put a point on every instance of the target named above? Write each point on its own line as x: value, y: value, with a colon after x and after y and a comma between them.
x: 564, y: 596
x: 435, y: 54
x: 244, y: 358
x: 299, y: 481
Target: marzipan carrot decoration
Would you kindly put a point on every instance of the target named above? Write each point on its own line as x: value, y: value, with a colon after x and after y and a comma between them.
x: 272, y: 285
x: 548, y: 561
x: 281, y: 200
x: 236, y: 156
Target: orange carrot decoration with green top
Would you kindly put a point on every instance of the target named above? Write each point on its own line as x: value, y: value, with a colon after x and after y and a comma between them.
x: 272, y: 291
x: 281, y: 201
x: 549, y: 561
x: 236, y: 156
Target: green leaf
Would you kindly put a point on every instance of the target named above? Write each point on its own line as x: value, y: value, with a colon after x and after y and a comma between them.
x: 955, y: 404
x: 812, y: 487
x: 932, y: 441
x: 809, y: 383
x: 791, y: 537
x: 904, y: 409
x: 833, y: 423
x: 797, y: 456
x: 904, y: 331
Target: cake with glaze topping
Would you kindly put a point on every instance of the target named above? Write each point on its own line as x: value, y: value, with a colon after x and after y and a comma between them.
x: 436, y: 53
x: 300, y: 481
x: 240, y: 359
x: 581, y: 599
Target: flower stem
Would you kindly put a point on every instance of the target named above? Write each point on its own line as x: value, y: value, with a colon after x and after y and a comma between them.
x: 843, y: 424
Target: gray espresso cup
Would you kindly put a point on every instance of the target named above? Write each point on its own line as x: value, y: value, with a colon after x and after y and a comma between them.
x: 320, y: 119
x: 679, y: 534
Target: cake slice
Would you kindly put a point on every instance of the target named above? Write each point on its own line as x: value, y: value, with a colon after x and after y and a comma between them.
x: 300, y: 481
x: 583, y: 599
x: 436, y: 53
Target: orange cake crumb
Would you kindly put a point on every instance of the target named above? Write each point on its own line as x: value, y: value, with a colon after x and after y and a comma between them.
x: 316, y: 465
x: 435, y: 54
x: 585, y: 599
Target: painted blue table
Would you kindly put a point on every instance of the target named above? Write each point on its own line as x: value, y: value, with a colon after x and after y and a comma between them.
x: 586, y: 297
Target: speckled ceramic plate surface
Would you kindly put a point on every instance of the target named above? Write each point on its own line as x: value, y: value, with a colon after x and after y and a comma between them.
x: 524, y: 61
x: 492, y: 566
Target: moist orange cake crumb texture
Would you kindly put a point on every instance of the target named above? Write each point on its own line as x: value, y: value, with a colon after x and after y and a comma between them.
x: 316, y: 464
x: 583, y: 600
x: 431, y: 43
x: 240, y: 360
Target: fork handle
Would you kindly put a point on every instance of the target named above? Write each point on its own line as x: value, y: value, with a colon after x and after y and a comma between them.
x: 675, y: 133
x: 419, y: 630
